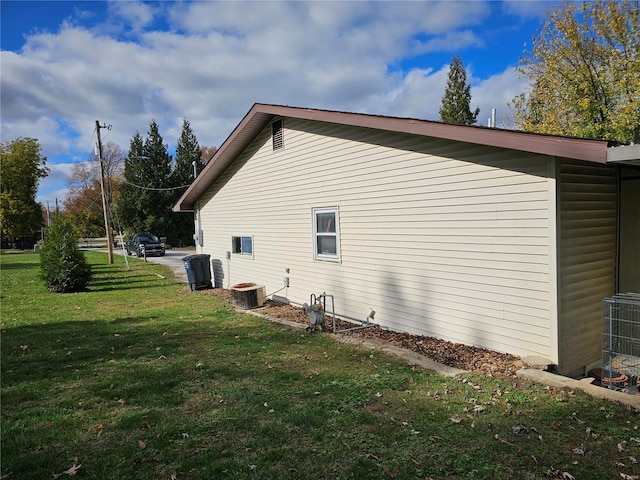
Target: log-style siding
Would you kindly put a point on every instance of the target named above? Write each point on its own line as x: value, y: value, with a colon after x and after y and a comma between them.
x: 588, y: 202
x: 440, y: 238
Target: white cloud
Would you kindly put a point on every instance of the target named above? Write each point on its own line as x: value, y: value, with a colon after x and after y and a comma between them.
x: 495, y: 92
x: 53, y: 186
x: 529, y: 8
x: 219, y: 58
x: 416, y: 95
x: 137, y: 15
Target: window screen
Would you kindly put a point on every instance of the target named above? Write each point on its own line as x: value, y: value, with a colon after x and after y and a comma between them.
x: 326, y: 234
x: 242, y: 245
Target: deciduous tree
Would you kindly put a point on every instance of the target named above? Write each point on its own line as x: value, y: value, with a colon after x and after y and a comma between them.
x: 206, y: 153
x: 584, y: 73
x: 23, y: 165
x: 83, y: 205
x: 456, y: 100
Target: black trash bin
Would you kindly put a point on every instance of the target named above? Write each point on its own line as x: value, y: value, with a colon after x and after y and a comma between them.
x: 198, y: 271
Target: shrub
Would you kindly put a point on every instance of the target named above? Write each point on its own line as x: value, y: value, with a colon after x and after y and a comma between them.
x: 62, y: 265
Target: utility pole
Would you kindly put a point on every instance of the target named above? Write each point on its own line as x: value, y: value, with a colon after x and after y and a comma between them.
x: 105, y: 207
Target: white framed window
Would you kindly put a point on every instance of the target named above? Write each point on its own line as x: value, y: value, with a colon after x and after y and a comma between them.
x: 242, y: 245
x: 326, y: 234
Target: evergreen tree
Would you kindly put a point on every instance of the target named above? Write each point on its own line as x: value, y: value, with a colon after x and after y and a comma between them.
x: 456, y: 101
x: 156, y: 198
x: 62, y: 265
x: 187, y: 152
x: 129, y: 209
x: 144, y: 201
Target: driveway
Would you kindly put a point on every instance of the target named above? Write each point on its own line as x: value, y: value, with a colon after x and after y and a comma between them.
x: 172, y: 258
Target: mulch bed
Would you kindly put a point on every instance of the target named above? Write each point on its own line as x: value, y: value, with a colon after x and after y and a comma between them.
x: 456, y: 355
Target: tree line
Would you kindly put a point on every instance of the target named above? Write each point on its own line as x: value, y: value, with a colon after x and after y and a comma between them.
x: 583, y: 73
x: 141, y: 187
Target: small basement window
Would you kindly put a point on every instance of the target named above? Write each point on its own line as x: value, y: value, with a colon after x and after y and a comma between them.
x: 326, y: 234
x: 242, y: 245
x: 277, y: 135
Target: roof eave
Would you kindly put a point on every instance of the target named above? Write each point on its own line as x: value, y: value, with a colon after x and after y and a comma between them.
x: 259, y: 116
x: 624, y: 155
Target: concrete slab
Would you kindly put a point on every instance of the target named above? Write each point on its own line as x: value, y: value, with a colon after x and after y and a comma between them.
x: 558, y: 381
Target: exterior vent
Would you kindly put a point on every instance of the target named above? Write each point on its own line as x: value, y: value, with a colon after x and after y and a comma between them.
x: 248, y: 295
x: 277, y: 135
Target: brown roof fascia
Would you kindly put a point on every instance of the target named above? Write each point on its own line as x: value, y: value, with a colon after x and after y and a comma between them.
x: 260, y: 115
x: 566, y: 147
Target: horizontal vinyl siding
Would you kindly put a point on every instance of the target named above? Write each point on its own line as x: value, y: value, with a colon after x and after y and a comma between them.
x: 439, y: 238
x: 588, y: 202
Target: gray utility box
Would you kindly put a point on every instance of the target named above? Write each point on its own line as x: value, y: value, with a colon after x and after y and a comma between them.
x: 198, y: 270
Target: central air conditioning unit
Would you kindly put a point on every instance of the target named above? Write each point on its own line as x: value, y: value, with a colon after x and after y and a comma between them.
x: 248, y: 295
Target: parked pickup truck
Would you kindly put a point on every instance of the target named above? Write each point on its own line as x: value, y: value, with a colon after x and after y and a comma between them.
x: 144, y: 244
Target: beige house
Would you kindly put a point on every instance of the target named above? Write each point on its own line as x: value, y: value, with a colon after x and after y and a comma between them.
x: 488, y: 237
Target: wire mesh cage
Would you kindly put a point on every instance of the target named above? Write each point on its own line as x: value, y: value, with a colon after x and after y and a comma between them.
x: 621, y: 341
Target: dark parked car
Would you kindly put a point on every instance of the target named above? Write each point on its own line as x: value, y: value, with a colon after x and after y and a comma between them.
x: 142, y: 244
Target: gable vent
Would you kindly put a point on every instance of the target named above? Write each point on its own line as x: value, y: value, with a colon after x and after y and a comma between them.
x: 277, y: 135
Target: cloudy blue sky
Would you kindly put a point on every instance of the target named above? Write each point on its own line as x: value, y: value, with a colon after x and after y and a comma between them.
x: 66, y: 64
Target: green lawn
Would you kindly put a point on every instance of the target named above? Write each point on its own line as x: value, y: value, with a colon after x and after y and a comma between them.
x: 139, y: 378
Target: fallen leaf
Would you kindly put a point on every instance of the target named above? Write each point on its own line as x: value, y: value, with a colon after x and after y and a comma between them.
x: 629, y: 477
x: 391, y: 473
x: 456, y: 419
x: 142, y: 445
x: 122, y: 401
x: 520, y: 429
x: 580, y: 450
x: 71, y: 471
x: 552, y: 472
